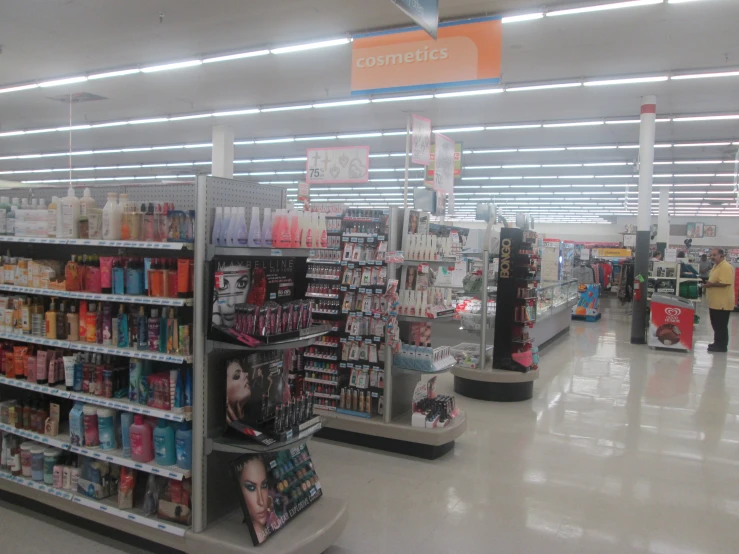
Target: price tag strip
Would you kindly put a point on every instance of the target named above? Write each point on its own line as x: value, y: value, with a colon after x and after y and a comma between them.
x: 120, y: 298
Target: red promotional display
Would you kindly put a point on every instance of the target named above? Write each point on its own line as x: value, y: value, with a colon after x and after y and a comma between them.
x: 671, y: 322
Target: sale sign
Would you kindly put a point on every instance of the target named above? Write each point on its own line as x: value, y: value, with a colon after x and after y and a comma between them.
x: 341, y: 164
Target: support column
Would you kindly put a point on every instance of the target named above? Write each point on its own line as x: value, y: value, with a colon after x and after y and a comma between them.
x: 223, y: 152
x: 663, y: 220
x: 647, y: 131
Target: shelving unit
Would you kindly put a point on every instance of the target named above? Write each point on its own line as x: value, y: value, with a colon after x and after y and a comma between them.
x: 106, y: 511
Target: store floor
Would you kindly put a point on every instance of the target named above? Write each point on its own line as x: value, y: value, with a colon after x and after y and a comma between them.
x: 623, y: 449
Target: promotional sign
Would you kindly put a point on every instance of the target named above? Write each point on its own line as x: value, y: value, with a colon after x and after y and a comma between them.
x: 612, y: 253
x: 273, y: 488
x: 671, y: 323
x: 630, y: 241
x: 588, y: 302
x: 671, y: 254
x: 424, y: 12
x: 585, y: 253
x: 421, y: 140
x: 444, y: 164
x: 431, y: 168
x: 340, y: 164
x: 466, y: 53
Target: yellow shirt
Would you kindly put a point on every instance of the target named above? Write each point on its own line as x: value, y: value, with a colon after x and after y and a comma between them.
x: 721, y: 298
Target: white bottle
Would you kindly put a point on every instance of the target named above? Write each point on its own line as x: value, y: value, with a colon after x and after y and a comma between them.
x: 42, y: 204
x: 14, y: 205
x: 215, y: 237
x: 303, y: 219
x: 255, y: 228
x: 267, y: 229
x: 34, y: 203
x: 71, y: 216
x: 119, y: 209
x: 111, y: 223
x: 242, y: 235
x: 86, y: 202
x: 223, y: 234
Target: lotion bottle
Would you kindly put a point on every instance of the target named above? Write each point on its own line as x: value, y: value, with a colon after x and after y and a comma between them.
x: 51, y: 218
x: 323, y: 232
x: 110, y: 231
x: 70, y: 215
x: 87, y: 202
x: 140, y: 435
x: 164, y: 445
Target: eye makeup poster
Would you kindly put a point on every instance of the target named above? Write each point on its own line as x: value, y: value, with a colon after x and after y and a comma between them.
x: 249, y: 281
x: 273, y: 488
x: 255, y: 384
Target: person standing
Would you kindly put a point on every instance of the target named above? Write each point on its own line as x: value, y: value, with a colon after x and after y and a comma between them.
x: 720, y: 295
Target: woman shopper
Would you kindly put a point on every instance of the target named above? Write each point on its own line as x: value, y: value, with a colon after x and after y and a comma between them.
x: 721, y: 300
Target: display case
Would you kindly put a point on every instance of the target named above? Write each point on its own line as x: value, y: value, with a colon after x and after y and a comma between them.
x: 552, y: 296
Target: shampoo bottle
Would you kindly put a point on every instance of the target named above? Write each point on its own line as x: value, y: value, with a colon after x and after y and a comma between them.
x: 141, y: 440
x: 126, y: 422
x: 164, y: 444
x: 267, y: 228
x: 183, y: 445
x: 255, y: 229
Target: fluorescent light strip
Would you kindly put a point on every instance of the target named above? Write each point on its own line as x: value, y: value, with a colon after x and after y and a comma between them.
x: 109, y: 74
x: 627, y: 81
x: 60, y: 82
x: 404, y: 98
x: 603, y: 7
x: 543, y: 87
x: 241, y: 56
x: 287, y: 108
x: 18, y: 88
x: 170, y: 66
x: 522, y: 17
x: 310, y: 46
x: 477, y: 92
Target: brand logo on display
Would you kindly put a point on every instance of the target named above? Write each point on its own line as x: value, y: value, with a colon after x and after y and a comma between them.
x: 505, y: 259
x: 673, y: 312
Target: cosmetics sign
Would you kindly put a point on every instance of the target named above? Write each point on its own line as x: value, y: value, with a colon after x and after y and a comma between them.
x: 273, y: 488
x: 341, y: 164
x: 421, y: 152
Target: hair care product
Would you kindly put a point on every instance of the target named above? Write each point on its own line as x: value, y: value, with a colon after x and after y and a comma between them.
x: 141, y: 440
x: 70, y: 209
x: 126, y: 422
x: 215, y: 237
x: 153, y: 330
x: 323, y: 232
x: 106, y: 428
x: 51, y: 217
x: 118, y: 279
x: 90, y: 419
x: 61, y: 322
x: 106, y: 274
x: 107, y: 324
x: 73, y: 324
x: 164, y: 444
x: 69, y: 372
x: 111, y: 227
x: 87, y: 202
x: 267, y: 228
x: 91, y: 323
x: 183, y: 445
x: 37, y: 462
x: 143, y: 333
x: 255, y: 229
x: 83, y: 321
x: 122, y: 327
x: 51, y: 321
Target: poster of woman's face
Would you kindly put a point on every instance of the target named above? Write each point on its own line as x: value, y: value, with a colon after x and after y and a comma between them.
x: 254, y: 385
x: 269, y: 493
x: 231, y: 287
x: 709, y: 231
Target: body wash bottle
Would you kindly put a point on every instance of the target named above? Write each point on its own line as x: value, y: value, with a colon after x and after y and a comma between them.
x: 141, y: 440
x: 164, y: 445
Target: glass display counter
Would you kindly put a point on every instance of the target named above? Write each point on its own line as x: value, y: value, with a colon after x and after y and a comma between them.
x: 553, y: 309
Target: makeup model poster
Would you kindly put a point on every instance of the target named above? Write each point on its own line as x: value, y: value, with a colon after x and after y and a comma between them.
x: 248, y: 281
x: 273, y: 488
x: 255, y: 384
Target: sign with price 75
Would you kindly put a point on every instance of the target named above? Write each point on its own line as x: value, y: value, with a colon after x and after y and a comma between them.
x: 343, y: 164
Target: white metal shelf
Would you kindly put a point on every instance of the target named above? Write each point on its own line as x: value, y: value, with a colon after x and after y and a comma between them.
x: 61, y: 441
x: 115, y: 403
x: 145, y: 245
x: 120, y: 298
x: 116, y: 457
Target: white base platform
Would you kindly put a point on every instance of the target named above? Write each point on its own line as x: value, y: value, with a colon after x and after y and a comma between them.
x: 311, y: 532
x: 495, y: 375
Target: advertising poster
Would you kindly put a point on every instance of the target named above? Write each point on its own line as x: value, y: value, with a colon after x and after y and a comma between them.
x: 273, y: 488
x: 670, y: 326
x: 255, y: 384
x: 694, y: 230
x: 588, y: 302
x: 431, y: 168
x: 444, y: 164
x: 421, y: 140
x: 252, y: 281
x: 342, y: 164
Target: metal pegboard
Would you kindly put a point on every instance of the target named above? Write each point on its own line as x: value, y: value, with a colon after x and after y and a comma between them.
x: 248, y: 194
x: 182, y: 194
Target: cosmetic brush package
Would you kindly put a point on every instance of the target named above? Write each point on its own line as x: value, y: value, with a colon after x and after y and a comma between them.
x: 273, y: 488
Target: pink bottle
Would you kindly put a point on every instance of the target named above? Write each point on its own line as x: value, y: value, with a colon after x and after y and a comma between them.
x: 294, y: 229
x: 142, y: 444
x: 279, y: 223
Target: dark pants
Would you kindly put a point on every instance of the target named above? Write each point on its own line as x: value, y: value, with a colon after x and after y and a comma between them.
x: 720, y: 324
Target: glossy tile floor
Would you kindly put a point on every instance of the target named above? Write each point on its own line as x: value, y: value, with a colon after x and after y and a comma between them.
x: 623, y: 449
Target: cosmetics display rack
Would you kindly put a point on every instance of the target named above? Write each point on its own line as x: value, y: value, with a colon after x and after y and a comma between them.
x: 392, y: 431
x: 218, y: 520
x: 104, y: 511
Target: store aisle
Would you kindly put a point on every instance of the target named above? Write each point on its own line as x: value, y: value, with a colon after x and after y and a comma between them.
x: 623, y: 449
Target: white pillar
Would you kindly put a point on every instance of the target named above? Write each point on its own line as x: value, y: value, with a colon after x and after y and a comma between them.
x: 644, y: 217
x: 223, y: 152
x: 647, y: 131
x: 663, y: 216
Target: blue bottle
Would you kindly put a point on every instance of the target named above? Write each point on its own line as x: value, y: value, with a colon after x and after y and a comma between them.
x: 164, y: 447
x: 126, y: 422
x: 183, y: 440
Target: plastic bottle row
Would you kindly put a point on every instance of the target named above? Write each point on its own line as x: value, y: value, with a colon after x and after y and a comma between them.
x: 140, y: 381
x: 168, y: 499
x: 284, y: 229
x: 157, y: 277
x: 129, y: 326
x: 73, y: 217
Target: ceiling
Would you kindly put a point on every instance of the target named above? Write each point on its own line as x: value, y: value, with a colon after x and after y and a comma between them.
x: 49, y: 40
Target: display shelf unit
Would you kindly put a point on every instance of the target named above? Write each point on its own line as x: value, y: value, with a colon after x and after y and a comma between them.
x: 105, y: 512
x: 392, y: 430
x: 218, y: 522
x: 242, y: 446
